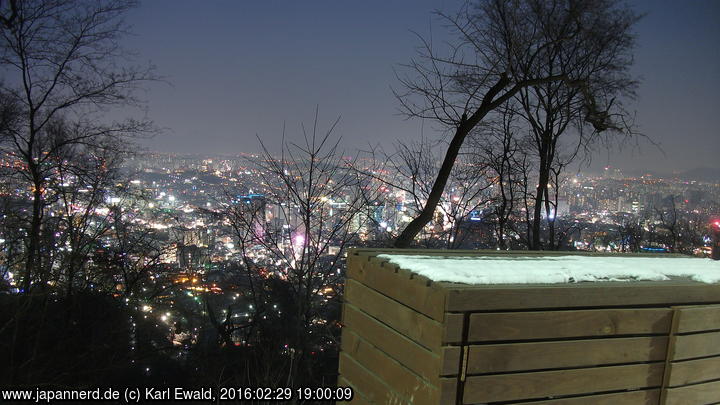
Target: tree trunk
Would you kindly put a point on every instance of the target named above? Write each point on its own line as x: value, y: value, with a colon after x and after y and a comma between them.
x: 501, y: 236
x: 463, y: 129
x: 33, y: 239
x: 551, y: 221
x: 503, y: 207
x: 503, y: 215
x: 298, y: 346
x: 426, y: 215
x: 543, y: 178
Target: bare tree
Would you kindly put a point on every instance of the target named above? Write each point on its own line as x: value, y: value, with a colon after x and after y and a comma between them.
x: 551, y: 198
x: 131, y: 265
x: 631, y: 235
x: 680, y: 231
x: 313, y: 198
x: 503, y: 47
x: 498, y: 145
x: 61, y: 63
x: 84, y: 179
x: 410, y: 170
x: 553, y: 109
x: 312, y: 176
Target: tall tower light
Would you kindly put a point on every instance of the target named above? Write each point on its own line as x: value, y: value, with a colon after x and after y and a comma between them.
x: 715, y: 255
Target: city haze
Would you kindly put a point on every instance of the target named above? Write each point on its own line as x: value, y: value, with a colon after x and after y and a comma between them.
x: 239, y: 70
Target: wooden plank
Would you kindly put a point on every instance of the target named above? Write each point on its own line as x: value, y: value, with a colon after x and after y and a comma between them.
x: 450, y: 361
x: 640, y: 397
x: 698, y: 318
x: 423, y: 330
x: 453, y: 328
x: 668, y: 358
x: 698, y: 394
x: 388, y: 280
x: 500, y: 358
x: 448, y: 391
x: 358, y: 398
x: 369, y: 385
x: 605, y: 294
x: 518, y: 386
x: 403, y: 381
x: 698, y: 345
x: 413, y: 356
x: 565, y: 324
x: 694, y: 371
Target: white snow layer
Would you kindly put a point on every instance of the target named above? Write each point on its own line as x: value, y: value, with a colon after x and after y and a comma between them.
x: 555, y: 269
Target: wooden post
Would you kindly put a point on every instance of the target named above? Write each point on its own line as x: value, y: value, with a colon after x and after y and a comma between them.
x: 669, y: 354
x: 465, y: 353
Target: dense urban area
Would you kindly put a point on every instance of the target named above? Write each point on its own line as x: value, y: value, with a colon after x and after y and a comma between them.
x: 206, y: 250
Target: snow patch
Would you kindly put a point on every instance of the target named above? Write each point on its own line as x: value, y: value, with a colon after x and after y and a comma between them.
x: 555, y: 269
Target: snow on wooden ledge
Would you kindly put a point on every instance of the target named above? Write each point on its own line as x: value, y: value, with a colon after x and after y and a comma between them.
x: 555, y: 269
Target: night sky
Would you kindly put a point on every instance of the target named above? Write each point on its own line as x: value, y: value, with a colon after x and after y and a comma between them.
x: 239, y: 69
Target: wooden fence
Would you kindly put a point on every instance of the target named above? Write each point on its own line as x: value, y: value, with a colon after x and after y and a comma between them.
x: 407, y: 340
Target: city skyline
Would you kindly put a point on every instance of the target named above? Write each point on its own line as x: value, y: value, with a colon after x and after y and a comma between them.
x: 237, y: 71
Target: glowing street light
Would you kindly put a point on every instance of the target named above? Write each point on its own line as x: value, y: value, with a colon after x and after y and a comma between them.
x: 299, y: 240
x: 715, y: 255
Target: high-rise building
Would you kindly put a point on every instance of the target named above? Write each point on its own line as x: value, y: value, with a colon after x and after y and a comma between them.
x: 255, y: 209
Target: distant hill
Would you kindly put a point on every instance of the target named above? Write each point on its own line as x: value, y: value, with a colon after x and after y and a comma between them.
x: 704, y: 174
